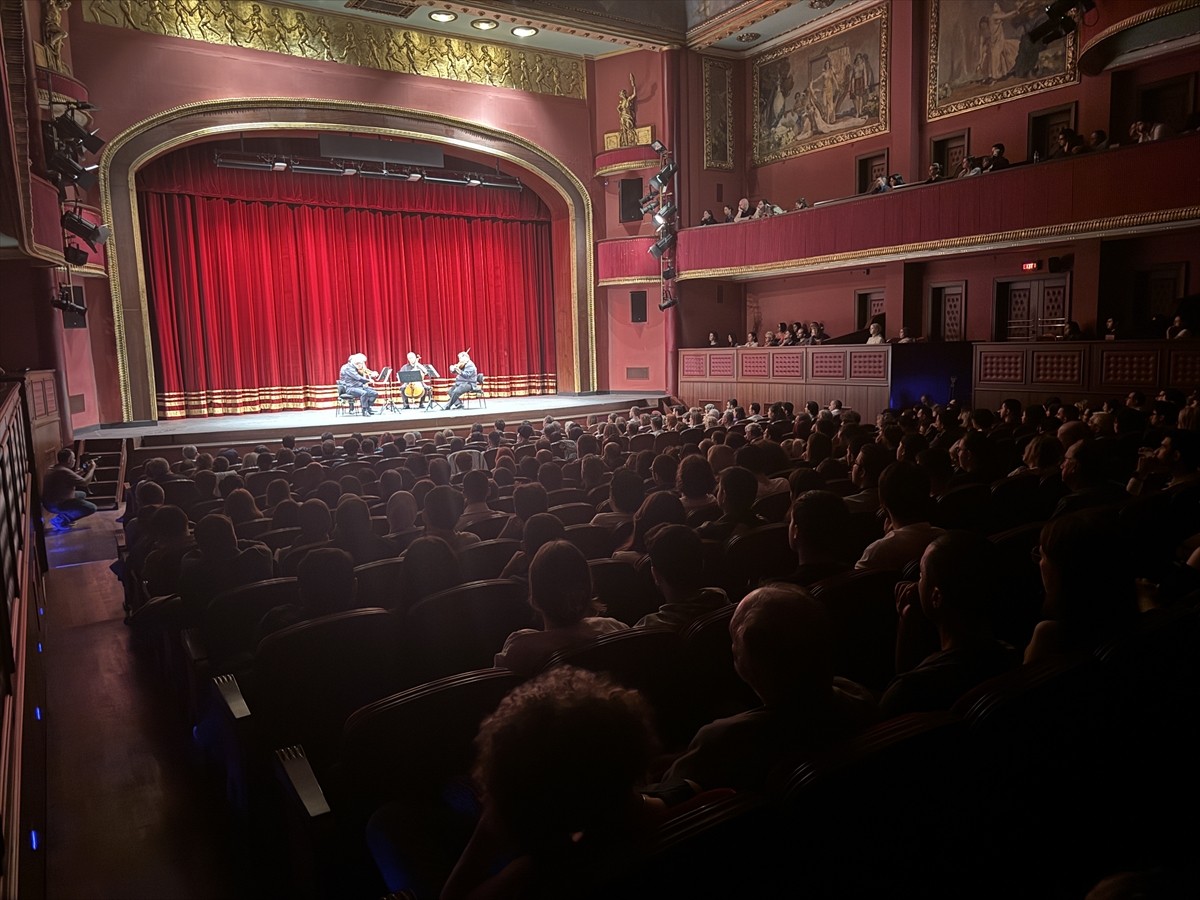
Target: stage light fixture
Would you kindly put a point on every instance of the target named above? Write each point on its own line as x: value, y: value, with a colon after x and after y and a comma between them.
x: 485, y: 24
x: 648, y: 206
x: 524, y: 31
x: 93, y: 235
x: 667, y: 302
x: 474, y: 180
x: 260, y: 164
x: 668, y: 273
x: 349, y: 169
x: 658, y: 146
x: 664, y: 216
x: 443, y: 16
x: 72, y: 171
x: 75, y: 255
x: 310, y: 169
x: 279, y: 165
x: 663, y: 178
x: 70, y: 131
x: 415, y: 176
x: 66, y: 302
x: 662, y: 245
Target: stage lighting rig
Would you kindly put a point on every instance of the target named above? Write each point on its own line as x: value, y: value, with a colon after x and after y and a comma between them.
x: 71, y: 131
x: 66, y: 301
x: 94, y: 235
x: 1062, y: 18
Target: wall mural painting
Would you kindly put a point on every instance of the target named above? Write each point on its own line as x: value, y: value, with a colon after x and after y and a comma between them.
x: 718, y: 114
x: 980, y: 53
x: 826, y: 88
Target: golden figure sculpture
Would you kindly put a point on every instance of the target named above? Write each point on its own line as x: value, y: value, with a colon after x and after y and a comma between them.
x: 53, y: 33
x: 263, y: 25
x: 627, y: 114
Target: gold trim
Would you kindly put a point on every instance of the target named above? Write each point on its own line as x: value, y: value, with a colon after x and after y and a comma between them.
x: 1146, y: 15
x: 631, y: 166
x: 298, y: 105
x: 711, y: 67
x: 645, y: 137
x: 731, y: 21
x: 1037, y: 86
x: 880, y: 12
x: 627, y: 279
x: 951, y: 246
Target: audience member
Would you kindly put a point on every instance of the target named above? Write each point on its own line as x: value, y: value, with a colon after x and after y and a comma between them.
x: 736, y: 493
x: 904, y: 496
x: 64, y: 491
x: 675, y: 554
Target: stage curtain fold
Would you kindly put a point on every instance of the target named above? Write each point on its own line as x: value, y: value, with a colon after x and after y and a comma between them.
x: 255, y: 305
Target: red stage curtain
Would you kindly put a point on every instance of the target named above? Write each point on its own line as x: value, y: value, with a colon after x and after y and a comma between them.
x: 256, y: 302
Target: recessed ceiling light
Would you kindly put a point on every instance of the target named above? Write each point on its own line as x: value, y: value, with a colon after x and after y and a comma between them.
x: 484, y: 24
x: 443, y: 15
x: 524, y: 31
x: 748, y: 37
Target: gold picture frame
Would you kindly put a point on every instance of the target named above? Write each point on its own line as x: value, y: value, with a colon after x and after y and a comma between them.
x: 980, y: 54
x: 718, y: 114
x: 824, y: 89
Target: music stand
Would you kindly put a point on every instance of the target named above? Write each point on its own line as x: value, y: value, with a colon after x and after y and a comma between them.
x: 411, y: 377
x: 385, y: 378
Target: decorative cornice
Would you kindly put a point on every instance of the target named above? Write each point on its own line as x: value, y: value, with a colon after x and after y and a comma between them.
x: 733, y: 20
x: 1093, y: 60
x: 1146, y: 15
x: 314, y: 34
x: 630, y: 166
x: 628, y: 279
x: 955, y: 246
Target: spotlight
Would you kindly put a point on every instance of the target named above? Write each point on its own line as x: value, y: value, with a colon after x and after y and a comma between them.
x: 279, y: 165
x: 474, y: 180
x: 310, y: 169
x: 73, y: 172
x: 349, y: 169
x: 661, y: 180
x: 664, y: 216
x: 524, y: 31
x: 662, y: 245
x: 443, y: 16
x: 668, y: 273
x: 66, y: 302
x: 259, y: 163
x: 667, y: 302
x: 414, y: 176
x: 658, y: 146
x: 75, y: 255
x: 70, y: 131
x: 648, y: 205
x: 93, y: 235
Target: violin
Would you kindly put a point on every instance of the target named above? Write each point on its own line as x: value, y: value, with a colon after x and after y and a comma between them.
x: 365, y: 372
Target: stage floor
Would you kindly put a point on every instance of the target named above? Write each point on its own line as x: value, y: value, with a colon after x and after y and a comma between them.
x: 313, y: 422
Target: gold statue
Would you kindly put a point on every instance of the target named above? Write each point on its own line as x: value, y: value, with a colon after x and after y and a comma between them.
x: 627, y: 114
x: 53, y: 33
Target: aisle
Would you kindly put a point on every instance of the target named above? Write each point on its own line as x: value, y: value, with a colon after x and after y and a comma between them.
x: 128, y: 814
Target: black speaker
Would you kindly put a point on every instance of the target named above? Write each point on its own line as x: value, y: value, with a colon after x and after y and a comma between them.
x: 71, y: 317
x: 631, y: 199
x: 637, y: 306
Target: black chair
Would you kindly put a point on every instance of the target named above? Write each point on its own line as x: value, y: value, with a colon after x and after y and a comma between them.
x: 230, y: 623
x: 715, y: 688
x: 773, y: 507
x: 564, y: 495
x: 626, y: 593
x: 488, y: 529
x: 1014, y: 501
x: 759, y: 553
x: 595, y: 541
x: 278, y: 538
x: 347, y: 405
x: 181, y: 493
x: 476, y: 392
x: 573, y: 513
x: 463, y: 628
x: 967, y: 507
x: 380, y: 584
x: 862, y: 607
x: 487, y: 559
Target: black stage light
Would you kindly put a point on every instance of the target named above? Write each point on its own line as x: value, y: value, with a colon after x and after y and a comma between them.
x: 658, y: 146
x: 66, y: 302
x: 662, y: 245
x: 661, y: 180
x: 260, y: 163
x: 75, y: 255
x: 93, y: 235
x: 668, y: 273
x: 72, y: 171
x: 69, y: 130
x: 665, y: 215
x: 667, y: 302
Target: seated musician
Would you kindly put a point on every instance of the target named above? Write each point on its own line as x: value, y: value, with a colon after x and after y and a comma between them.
x: 418, y: 392
x: 466, y: 377
x: 355, y: 379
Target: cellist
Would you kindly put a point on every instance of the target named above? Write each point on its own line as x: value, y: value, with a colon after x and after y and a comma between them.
x: 418, y: 392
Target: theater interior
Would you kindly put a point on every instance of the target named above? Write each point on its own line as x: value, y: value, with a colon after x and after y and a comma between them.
x: 207, y: 206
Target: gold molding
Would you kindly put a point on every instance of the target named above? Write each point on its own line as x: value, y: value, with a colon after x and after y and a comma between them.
x: 584, y: 344
x: 732, y: 20
x: 645, y: 137
x: 1003, y: 240
x: 934, y: 112
x: 880, y: 12
x: 628, y: 279
x: 1146, y: 15
x: 630, y: 166
x: 313, y: 33
x: 711, y: 121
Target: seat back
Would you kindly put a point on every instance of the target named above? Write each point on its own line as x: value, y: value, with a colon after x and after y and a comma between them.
x: 488, y: 529
x: 232, y: 617
x: 759, y: 553
x: 564, y: 495
x: 181, y: 493
x: 594, y: 541
x: 715, y: 686
x: 862, y: 607
x: 967, y: 507
x: 248, y: 531
x: 463, y: 628
x: 573, y: 513
x: 381, y: 584
x: 256, y: 482
x: 309, y: 677
x: 773, y: 507
x: 1014, y: 501
x: 278, y: 538
x: 626, y: 593
x: 645, y: 659
x: 666, y: 439
x: 487, y: 559
x: 640, y: 442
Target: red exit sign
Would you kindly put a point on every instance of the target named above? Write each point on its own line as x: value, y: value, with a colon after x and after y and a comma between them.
x: 1035, y: 266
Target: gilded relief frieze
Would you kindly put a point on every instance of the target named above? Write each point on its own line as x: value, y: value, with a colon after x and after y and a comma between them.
x: 350, y: 41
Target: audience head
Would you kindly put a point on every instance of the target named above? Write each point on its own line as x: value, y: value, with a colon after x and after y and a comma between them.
x: 286, y: 514
x: 660, y: 508
x: 561, y: 756
x: 560, y: 585
x: 150, y: 493
x: 782, y: 646
x: 476, y: 486
x: 626, y: 491
x: 817, y: 523
x: 216, y: 539
x: 443, y: 506
x: 401, y: 511
x: 352, y: 517
x: 904, y: 493
x: 737, y: 491
x: 528, y: 500
x: 694, y: 478
x: 430, y: 565
x: 1044, y: 452
x: 1087, y: 576
x: 956, y: 587
x: 168, y: 524
x: 676, y: 554
x: 240, y: 506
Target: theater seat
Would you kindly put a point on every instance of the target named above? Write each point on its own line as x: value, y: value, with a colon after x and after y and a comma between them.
x: 715, y: 687
x: 594, y: 541
x: 488, y: 529
x: 573, y: 513
x: 380, y: 584
x: 231, y: 620
x: 759, y: 553
x: 626, y: 593
x: 486, y: 559
x: 463, y: 628
x: 862, y: 607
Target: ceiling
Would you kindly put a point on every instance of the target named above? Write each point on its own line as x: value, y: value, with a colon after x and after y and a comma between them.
x: 594, y: 28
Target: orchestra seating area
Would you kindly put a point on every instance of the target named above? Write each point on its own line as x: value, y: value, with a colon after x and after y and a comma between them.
x: 313, y: 728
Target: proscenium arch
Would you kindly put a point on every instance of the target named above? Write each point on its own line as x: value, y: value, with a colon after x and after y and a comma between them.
x: 148, y: 139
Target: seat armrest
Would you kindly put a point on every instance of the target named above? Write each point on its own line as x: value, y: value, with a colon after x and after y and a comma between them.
x: 301, y: 781
x: 231, y: 695
x: 193, y: 644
